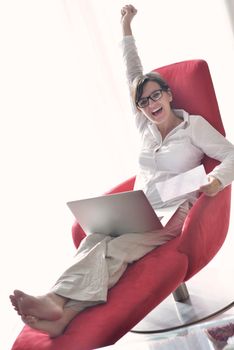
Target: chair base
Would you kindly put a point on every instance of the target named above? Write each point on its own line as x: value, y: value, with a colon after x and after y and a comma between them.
x: 210, y: 292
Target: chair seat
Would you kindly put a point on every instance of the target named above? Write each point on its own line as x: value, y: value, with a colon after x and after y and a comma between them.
x: 161, y: 271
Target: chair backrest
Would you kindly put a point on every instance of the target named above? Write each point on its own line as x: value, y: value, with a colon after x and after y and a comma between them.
x: 203, y: 233
x: 193, y: 91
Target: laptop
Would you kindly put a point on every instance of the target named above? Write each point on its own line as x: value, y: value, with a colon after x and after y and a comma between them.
x: 116, y: 214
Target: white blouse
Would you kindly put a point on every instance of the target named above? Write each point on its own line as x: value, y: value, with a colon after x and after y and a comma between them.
x: 181, y: 150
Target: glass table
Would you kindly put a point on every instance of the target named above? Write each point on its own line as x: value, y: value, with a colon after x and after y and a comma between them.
x: 186, y: 338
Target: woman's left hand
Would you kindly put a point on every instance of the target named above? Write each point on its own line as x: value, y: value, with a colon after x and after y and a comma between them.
x: 212, y: 188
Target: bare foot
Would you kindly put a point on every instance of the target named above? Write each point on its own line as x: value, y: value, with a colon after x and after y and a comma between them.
x: 14, y: 303
x: 52, y: 328
x: 48, y: 307
x: 29, y: 320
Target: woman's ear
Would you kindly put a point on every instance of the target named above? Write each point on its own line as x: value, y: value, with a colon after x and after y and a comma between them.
x: 170, y: 95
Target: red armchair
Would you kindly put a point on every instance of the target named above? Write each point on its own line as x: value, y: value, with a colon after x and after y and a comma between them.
x: 150, y: 280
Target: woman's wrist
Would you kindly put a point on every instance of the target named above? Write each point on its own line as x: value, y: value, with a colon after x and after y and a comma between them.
x: 127, y: 30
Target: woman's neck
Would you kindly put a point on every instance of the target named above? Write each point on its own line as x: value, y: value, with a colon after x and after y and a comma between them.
x: 173, y: 122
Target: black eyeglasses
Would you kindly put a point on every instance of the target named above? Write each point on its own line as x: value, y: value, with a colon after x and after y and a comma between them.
x: 154, y: 96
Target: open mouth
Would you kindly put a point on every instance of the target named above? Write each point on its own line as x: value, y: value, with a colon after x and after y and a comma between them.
x: 157, y: 111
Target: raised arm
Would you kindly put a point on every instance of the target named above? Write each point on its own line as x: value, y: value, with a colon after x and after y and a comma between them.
x: 127, y: 14
x: 130, y: 55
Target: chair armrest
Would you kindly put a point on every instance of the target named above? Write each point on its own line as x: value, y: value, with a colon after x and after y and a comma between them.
x: 205, y: 229
x: 127, y: 185
x: 77, y: 234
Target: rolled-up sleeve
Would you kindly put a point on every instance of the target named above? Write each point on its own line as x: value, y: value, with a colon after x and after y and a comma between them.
x: 131, y: 59
x: 134, y: 69
x: 216, y: 146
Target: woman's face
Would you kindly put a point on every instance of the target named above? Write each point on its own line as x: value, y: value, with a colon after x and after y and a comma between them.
x: 158, y: 111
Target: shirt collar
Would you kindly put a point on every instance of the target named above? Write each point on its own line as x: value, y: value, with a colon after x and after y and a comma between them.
x: 181, y: 113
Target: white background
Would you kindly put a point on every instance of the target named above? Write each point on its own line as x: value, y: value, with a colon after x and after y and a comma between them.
x: 66, y: 127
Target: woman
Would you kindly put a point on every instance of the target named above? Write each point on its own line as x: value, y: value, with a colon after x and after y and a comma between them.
x: 101, y: 260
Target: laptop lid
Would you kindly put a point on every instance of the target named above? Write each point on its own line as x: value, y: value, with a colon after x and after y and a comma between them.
x: 116, y: 214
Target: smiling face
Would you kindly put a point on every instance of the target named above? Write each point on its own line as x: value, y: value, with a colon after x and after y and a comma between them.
x: 159, y: 111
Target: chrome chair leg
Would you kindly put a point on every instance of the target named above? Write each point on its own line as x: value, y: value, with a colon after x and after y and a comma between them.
x: 181, y: 293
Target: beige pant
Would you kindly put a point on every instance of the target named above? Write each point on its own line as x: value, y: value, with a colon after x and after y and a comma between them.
x: 101, y: 260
